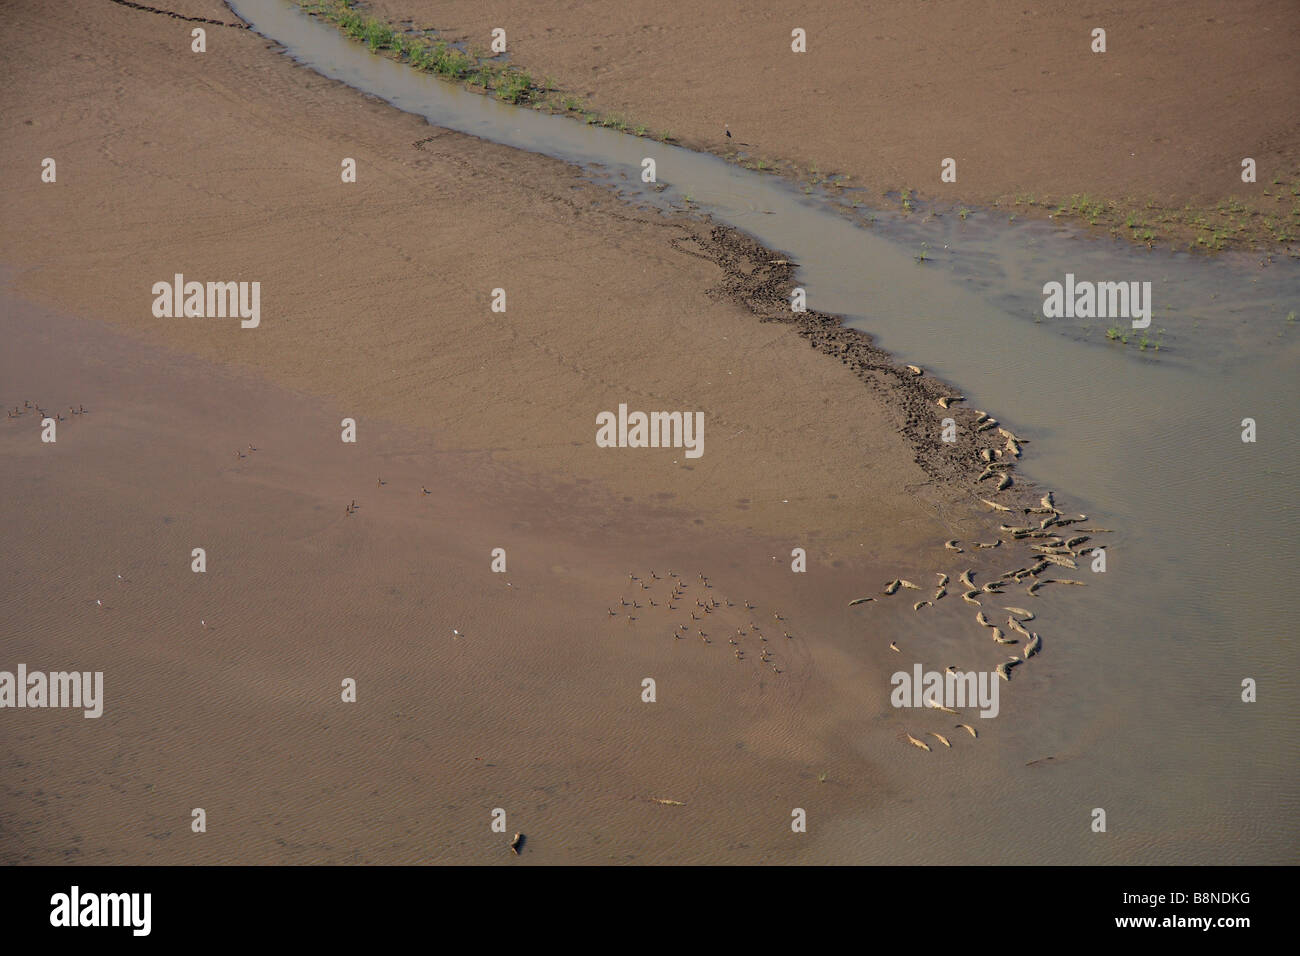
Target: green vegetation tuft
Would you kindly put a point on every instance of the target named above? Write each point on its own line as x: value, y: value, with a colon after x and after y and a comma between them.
x: 506, y: 82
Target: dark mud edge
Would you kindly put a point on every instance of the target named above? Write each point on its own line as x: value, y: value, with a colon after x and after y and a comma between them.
x: 761, y: 279
x: 179, y: 16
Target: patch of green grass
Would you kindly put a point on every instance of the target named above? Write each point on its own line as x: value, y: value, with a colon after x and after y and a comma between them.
x: 509, y: 83
x: 378, y: 35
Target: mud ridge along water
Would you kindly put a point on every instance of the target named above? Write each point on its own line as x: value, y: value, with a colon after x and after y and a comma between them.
x: 1144, y: 709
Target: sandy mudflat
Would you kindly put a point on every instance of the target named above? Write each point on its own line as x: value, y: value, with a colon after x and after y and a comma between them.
x: 375, y: 305
x: 378, y: 293
x: 534, y: 707
x: 889, y: 89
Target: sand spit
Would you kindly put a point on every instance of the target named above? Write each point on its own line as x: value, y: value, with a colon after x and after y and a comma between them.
x: 378, y: 293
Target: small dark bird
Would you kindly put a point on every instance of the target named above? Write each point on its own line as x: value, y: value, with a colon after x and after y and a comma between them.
x: 728, y: 129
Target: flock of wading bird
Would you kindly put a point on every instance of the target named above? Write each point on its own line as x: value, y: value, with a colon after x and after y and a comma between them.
x: 30, y: 406
x: 712, y: 617
x: 1051, y: 541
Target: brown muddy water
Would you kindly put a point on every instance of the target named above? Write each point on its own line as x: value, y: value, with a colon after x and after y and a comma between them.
x: 1137, y: 699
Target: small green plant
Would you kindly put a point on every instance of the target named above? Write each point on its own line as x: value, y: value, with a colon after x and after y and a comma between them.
x: 821, y: 777
x: 433, y: 56
x: 1113, y: 333
x: 923, y: 256
x: 964, y: 213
